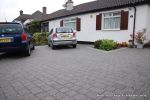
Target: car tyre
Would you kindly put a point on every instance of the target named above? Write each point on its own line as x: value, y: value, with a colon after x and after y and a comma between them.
x: 74, y: 45
x: 52, y: 46
x: 28, y: 51
x: 33, y: 48
x: 49, y: 45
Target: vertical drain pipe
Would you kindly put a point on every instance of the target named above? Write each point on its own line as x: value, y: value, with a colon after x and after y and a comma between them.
x: 133, y: 44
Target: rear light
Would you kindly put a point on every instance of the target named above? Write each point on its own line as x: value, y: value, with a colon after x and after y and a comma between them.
x: 54, y: 35
x: 23, y: 36
x: 74, y: 34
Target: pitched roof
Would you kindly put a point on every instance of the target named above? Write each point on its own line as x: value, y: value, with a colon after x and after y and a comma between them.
x: 23, y: 17
x: 36, y: 15
x: 94, y: 6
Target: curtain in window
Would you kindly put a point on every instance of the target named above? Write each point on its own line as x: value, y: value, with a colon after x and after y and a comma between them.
x: 112, y: 23
x: 70, y: 24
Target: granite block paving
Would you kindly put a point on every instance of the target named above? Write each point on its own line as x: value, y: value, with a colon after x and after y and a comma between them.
x: 83, y: 73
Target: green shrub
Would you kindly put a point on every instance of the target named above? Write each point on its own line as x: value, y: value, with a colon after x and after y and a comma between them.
x: 108, y: 45
x: 34, y: 26
x: 97, y: 43
x: 40, y: 38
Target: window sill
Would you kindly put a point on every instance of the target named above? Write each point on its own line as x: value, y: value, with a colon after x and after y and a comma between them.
x: 110, y: 29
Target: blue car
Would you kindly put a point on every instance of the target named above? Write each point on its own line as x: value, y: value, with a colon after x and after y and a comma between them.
x: 15, y: 37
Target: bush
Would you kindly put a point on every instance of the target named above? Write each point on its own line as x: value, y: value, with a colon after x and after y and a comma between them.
x: 108, y: 45
x: 40, y: 38
x: 140, y: 36
x: 97, y: 43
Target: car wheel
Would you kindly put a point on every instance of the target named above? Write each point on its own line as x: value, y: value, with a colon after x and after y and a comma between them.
x: 49, y: 45
x: 28, y: 51
x: 74, y: 45
x: 52, y: 46
x: 33, y: 47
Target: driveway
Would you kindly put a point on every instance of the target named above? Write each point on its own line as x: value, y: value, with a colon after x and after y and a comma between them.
x: 76, y: 74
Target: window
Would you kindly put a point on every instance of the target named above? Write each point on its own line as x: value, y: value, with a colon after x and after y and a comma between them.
x: 10, y: 28
x: 70, y: 23
x: 64, y: 30
x: 26, y: 30
x: 111, y: 21
x: 45, y: 27
x: 49, y: 33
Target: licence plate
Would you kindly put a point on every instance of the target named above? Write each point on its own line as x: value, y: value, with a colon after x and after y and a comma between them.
x: 65, y: 37
x: 5, y: 40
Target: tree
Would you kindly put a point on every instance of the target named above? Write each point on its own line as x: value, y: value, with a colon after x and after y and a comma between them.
x: 34, y: 26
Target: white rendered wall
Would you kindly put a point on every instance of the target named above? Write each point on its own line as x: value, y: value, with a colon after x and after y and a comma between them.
x: 27, y: 21
x: 148, y: 24
x: 88, y: 25
x: 142, y: 20
x: 54, y: 23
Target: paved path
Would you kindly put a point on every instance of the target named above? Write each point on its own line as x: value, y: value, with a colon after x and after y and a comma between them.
x: 76, y: 74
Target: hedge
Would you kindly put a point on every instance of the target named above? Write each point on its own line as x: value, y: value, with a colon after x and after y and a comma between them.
x: 40, y: 38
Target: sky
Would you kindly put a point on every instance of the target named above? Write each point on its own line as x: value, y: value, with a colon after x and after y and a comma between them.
x: 9, y: 9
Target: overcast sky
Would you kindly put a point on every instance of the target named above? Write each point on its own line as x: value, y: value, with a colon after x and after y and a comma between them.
x: 9, y: 9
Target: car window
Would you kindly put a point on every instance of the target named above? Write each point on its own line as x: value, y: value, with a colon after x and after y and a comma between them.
x: 51, y: 31
x: 64, y: 30
x: 27, y: 31
x: 10, y: 28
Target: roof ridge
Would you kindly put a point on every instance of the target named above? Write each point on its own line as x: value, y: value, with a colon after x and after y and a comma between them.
x: 36, y: 12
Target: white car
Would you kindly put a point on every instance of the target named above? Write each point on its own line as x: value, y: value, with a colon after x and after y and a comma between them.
x: 62, y: 36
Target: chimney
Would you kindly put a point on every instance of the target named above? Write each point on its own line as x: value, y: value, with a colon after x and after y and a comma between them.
x: 44, y: 10
x: 21, y: 12
x: 69, y: 5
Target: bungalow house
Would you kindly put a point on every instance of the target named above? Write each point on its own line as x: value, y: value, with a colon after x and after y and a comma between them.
x: 103, y: 19
x: 37, y: 15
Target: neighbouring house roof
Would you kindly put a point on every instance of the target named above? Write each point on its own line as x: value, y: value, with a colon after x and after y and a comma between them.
x: 95, y: 6
x: 23, y: 17
x: 36, y: 15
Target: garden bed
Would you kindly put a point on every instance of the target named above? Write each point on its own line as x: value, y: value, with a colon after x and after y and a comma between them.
x: 108, y: 45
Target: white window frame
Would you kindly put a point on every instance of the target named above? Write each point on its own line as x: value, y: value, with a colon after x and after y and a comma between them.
x: 70, y: 21
x: 103, y: 17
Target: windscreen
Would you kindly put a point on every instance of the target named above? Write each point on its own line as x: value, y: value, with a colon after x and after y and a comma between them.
x: 10, y: 28
x: 64, y: 30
